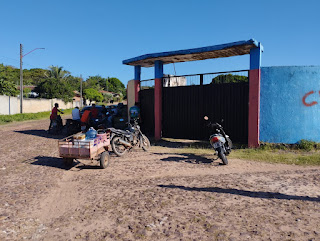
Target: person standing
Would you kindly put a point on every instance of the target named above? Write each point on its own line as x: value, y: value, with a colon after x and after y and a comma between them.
x: 85, y: 118
x: 76, y: 114
x: 94, y: 111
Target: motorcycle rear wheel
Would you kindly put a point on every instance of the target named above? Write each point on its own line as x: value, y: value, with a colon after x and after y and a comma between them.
x: 118, y: 148
x: 223, y: 157
x: 145, y: 143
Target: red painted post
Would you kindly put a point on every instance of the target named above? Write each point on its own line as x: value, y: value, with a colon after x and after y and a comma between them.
x: 137, y: 77
x: 254, y: 108
x: 254, y: 97
x: 158, y: 65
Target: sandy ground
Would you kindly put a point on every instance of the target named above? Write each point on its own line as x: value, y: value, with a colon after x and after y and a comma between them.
x: 157, y: 195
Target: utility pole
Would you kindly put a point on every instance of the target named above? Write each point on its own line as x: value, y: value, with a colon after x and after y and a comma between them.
x: 108, y: 84
x: 21, y: 78
x: 81, y: 101
x: 21, y: 74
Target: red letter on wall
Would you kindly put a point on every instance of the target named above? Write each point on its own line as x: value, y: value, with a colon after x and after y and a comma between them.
x: 305, y: 97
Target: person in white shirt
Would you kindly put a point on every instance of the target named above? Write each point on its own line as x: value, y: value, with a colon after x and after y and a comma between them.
x: 76, y: 114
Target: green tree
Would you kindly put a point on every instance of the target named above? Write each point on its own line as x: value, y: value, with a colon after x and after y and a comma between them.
x: 93, y: 95
x: 26, y: 92
x: 115, y: 85
x: 73, y: 82
x: 107, y: 97
x: 229, y: 78
x: 58, y: 73
x: 95, y: 82
x: 8, y: 88
x: 34, y: 76
x: 10, y: 73
x: 51, y: 88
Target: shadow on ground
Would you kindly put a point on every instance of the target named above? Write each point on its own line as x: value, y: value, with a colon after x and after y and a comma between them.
x: 186, y: 158
x: 178, y: 143
x: 42, y: 133
x: 253, y: 194
x: 184, y: 143
x: 50, y: 162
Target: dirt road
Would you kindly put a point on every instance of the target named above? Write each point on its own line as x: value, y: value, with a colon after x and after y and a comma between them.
x: 157, y: 195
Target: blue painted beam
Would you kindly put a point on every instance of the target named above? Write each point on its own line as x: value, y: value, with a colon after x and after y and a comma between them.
x: 137, y: 72
x: 158, y: 67
x: 243, y: 46
x: 255, y: 57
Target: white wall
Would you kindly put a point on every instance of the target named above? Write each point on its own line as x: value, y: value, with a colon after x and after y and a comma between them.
x: 11, y: 105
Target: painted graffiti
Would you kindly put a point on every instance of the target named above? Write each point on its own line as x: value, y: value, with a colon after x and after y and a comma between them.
x: 304, y: 99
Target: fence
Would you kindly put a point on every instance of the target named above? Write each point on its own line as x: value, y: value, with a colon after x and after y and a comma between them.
x: 11, y: 105
x: 198, y: 79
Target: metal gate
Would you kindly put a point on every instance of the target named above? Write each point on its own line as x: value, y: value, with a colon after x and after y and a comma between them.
x: 184, y: 108
x: 146, y: 97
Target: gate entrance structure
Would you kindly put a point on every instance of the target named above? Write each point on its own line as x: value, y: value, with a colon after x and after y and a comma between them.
x: 200, y: 98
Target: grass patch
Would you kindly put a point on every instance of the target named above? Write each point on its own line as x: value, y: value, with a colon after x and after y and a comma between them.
x: 278, y: 156
x: 5, y: 119
x: 303, y: 153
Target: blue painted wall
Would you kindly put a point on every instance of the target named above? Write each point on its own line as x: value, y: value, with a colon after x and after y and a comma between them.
x: 289, y: 110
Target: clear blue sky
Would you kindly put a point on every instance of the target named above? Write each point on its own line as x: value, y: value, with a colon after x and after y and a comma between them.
x: 93, y: 37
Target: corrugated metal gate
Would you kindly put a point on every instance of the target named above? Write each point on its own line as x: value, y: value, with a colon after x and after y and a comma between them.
x: 147, y: 111
x: 185, y: 106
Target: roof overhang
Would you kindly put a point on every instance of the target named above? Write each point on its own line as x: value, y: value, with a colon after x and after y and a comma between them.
x: 210, y: 52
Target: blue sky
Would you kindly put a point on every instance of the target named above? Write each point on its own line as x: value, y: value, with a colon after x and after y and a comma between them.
x: 93, y: 37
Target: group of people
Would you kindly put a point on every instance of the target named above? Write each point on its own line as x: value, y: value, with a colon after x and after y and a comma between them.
x: 93, y: 117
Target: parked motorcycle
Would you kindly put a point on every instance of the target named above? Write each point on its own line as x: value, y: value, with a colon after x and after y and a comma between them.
x: 56, y: 126
x: 124, y: 140
x: 220, y: 141
x: 73, y: 126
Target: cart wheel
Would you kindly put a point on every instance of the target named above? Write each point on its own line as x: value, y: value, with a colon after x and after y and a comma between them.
x: 104, y: 160
x: 68, y: 161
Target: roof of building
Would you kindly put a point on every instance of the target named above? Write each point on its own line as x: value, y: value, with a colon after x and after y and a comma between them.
x: 210, y: 52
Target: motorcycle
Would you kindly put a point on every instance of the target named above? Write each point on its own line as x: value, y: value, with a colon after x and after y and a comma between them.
x: 124, y: 140
x: 73, y: 126
x: 220, y: 141
x: 56, y: 126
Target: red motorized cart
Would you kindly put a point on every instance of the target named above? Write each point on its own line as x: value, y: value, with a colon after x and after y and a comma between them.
x: 71, y: 148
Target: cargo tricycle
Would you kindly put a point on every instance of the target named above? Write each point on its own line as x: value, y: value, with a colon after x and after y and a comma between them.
x: 77, y: 147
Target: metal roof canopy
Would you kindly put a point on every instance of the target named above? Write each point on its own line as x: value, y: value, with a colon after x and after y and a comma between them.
x: 210, y: 52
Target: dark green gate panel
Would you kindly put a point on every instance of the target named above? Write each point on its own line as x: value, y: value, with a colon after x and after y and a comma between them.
x: 184, y: 108
x: 147, y: 111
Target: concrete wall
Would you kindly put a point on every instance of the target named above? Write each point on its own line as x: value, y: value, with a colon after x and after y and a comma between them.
x: 290, y: 104
x: 130, y: 94
x: 11, y: 105
x: 171, y: 81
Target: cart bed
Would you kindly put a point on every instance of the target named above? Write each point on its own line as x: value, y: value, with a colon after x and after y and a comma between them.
x: 85, y: 149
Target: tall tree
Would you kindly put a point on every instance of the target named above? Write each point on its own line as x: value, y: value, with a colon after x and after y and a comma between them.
x: 8, y: 88
x: 229, y: 78
x: 51, y: 88
x: 93, y: 95
x: 58, y: 73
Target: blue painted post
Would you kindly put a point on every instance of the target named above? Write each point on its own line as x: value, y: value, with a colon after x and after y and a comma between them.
x: 137, y: 78
x: 158, y: 65
x: 254, y: 96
